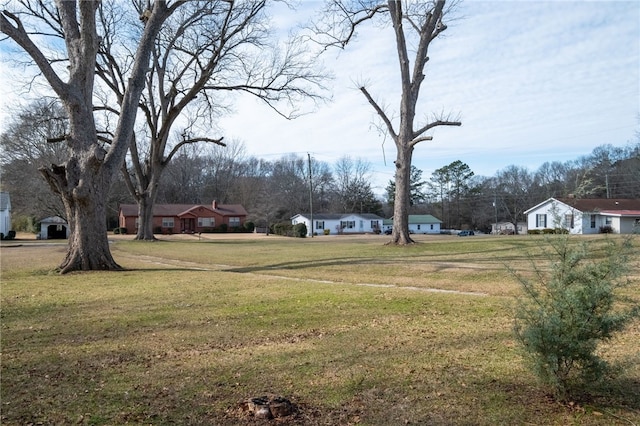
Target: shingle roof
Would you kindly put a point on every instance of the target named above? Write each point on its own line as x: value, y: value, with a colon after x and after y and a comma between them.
x: 338, y: 216
x: 169, y: 210
x: 601, y: 204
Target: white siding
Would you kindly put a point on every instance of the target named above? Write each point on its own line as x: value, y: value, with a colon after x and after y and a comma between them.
x: 557, y: 215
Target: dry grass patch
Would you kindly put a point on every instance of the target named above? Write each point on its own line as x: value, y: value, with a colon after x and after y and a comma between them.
x: 195, y: 327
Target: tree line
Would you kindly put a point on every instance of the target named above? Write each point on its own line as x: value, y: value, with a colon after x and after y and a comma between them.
x: 464, y: 200
x: 143, y: 80
x: 274, y: 190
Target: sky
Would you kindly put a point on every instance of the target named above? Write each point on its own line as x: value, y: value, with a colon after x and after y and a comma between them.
x: 531, y: 82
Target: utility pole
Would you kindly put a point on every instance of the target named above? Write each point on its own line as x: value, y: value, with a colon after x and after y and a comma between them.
x: 310, y: 195
x: 495, y: 208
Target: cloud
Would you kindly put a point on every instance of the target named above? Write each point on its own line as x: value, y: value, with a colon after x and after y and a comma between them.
x: 532, y: 82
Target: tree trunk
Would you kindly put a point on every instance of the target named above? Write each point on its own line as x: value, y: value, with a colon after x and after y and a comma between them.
x: 145, y: 217
x: 88, y: 246
x: 83, y: 186
x: 400, y: 234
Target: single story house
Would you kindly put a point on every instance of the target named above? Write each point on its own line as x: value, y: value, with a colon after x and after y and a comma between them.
x: 507, y: 228
x: 418, y: 224
x: 185, y: 218
x: 586, y: 216
x: 5, y: 213
x: 346, y: 223
x: 53, y: 227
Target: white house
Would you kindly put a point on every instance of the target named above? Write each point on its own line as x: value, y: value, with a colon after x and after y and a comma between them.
x: 586, y: 216
x: 346, y: 223
x: 507, y: 228
x: 53, y: 227
x: 418, y: 224
x: 5, y: 213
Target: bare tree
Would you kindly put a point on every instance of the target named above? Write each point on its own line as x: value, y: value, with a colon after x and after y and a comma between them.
x: 351, y: 185
x: 423, y: 20
x: 208, y: 49
x: 84, y: 179
x: 24, y: 149
x: 514, y: 193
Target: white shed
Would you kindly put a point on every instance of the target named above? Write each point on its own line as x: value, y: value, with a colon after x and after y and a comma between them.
x: 5, y: 213
x: 53, y: 227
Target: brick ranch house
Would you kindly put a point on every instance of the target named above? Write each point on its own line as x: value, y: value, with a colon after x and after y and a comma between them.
x: 185, y: 218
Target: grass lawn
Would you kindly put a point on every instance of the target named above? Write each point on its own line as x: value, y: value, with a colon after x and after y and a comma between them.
x: 352, y: 331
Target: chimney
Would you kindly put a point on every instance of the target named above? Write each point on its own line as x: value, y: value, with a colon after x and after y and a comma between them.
x: 215, y: 204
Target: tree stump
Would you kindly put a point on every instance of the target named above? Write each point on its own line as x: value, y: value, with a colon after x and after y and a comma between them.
x: 265, y: 407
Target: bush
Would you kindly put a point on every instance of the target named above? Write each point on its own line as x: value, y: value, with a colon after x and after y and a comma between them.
x: 570, y: 308
x: 282, y: 228
x: 606, y: 229
x: 327, y: 231
x: 300, y: 230
x: 120, y: 230
x: 249, y: 226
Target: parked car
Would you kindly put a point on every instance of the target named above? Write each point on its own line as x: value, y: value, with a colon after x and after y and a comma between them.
x: 465, y: 233
x: 388, y: 231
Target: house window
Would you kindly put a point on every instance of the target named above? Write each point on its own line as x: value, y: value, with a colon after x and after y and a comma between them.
x: 374, y: 224
x: 234, y: 222
x: 431, y: 226
x: 541, y: 221
x: 347, y: 224
x: 568, y: 220
x: 593, y: 221
x: 167, y: 222
x: 418, y: 227
x: 206, y: 222
x: 319, y: 224
x: 608, y: 221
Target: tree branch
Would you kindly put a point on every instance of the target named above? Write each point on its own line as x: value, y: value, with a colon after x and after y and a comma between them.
x: 435, y: 124
x: 192, y: 141
x: 18, y: 34
x: 345, y: 29
x: 381, y: 113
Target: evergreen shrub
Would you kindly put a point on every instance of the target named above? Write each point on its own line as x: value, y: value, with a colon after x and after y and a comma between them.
x: 566, y: 310
x: 300, y: 230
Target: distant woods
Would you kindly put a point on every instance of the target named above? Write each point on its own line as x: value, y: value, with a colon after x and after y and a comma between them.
x: 273, y: 190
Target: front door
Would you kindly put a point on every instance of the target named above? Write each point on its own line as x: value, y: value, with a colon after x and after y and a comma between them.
x: 189, y: 225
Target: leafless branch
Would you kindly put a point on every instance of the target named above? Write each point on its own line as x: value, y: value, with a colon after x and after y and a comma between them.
x: 192, y: 141
x: 381, y: 113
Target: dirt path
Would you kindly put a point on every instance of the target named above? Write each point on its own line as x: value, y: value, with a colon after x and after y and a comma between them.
x: 172, y: 263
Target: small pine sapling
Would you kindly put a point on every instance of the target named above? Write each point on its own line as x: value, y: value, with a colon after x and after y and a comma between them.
x: 569, y: 306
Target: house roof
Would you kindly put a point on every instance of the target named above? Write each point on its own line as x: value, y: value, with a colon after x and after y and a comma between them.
x: 423, y: 218
x: 5, y: 201
x: 172, y: 210
x: 54, y: 220
x: 417, y: 219
x: 603, y: 205
x: 338, y: 216
x: 631, y: 213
